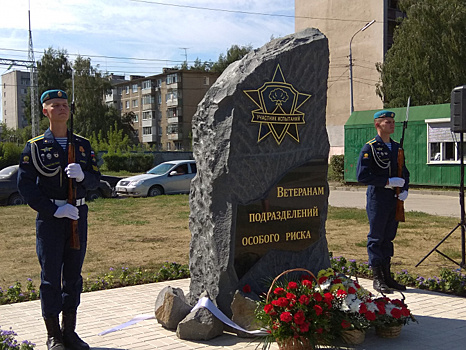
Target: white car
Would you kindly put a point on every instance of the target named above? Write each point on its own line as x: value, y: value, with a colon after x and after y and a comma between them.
x: 166, y: 178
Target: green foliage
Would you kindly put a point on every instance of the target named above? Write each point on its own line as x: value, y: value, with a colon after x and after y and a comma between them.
x: 113, y: 141
x: 129, y: 161
x: 233, y: 54
x: 427, y: 58
x: 9, y: 154
x: 337, y: 168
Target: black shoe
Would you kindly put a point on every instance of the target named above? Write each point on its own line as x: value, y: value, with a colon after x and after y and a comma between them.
x: 389, y: 281
x: 54, y: 336
x: 379, y: 281
x: 71, y: 340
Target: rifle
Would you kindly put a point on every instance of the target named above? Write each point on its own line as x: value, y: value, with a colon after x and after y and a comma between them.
x: 74, y: 242
x: 400, y: 210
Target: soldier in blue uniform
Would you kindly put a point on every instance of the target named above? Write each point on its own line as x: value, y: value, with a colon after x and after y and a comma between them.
x: 377, y: 168
x: 43, y: 178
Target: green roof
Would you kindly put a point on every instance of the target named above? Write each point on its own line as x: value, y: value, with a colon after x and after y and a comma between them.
x: 417, y: 113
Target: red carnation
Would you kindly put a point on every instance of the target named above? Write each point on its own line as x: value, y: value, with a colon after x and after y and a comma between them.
x: 396, y: 313
x: 247, y: 288
x: 317, y: 296
x: 278, y: 291
x: 307, y: 283
x: 290, y: 296
x: 336, y: 281
x: 319, y: 330
x: 345, y: 324
x: 370, y: 316
x: 304, y: 300
x: 268, y: 308
x: 292, y: 285
x: 322, y: 279
x: 357, y: 285
x: 299, y: 317
x: 318, y: 309
x: 405, y: 311
x: 304, y: 327
x: 328, y: 296
x: 351, y: 290
x: 286, y: 317
x: 341, y: 293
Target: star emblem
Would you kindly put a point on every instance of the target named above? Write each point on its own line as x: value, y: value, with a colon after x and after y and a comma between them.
x: 278, y: 114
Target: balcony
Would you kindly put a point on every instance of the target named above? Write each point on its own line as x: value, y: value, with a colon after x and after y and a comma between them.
x: 174, y: 120
x: 173, y: 102
x: 149, y: 138
x: 175, y: 136
x: 149, y: 122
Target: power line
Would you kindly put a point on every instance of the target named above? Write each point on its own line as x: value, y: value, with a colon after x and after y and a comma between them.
x: 246, y: 12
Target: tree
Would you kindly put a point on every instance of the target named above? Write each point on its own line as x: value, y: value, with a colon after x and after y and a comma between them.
x: 233, y: 54
x: 427, y: 59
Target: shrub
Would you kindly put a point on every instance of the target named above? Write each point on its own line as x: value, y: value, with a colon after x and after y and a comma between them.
x: 337, y: 168
x: 129, y: 161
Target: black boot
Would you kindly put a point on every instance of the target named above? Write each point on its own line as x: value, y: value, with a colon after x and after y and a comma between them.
x: 379, y: 281
x: 54, y: 336
x: 389, y: 281
x: 71, y: 340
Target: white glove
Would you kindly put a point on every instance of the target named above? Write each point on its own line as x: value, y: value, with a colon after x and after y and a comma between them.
x: 67, y: 211
x: 395, y: 182
x: 74, y: 171
x: 403, y: 195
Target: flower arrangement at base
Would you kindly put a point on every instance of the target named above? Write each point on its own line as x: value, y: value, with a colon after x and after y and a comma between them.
x: 391, y: 313
x: 296, y: 314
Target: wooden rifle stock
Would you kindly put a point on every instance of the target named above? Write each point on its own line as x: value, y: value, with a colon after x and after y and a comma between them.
x: 74, y: 242
x: 400, y: 210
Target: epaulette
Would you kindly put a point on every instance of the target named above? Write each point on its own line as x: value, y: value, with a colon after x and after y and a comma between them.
x: 370, y: 142
x: 37, y: 138
x: 80, y: 137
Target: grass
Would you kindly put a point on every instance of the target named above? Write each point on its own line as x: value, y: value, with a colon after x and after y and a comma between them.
x: 146, y: 232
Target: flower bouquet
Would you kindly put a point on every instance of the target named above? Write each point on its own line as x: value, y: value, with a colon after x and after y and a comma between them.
x: 296, y: 314
x: 391, y: 316
x: 352, y: 311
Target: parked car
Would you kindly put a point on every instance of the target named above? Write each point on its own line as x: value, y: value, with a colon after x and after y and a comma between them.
x: 166, y: 178
x: 9, y: 194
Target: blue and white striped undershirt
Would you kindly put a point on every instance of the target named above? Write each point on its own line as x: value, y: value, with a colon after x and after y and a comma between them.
x: 63, y: 141
x: 389, y: 145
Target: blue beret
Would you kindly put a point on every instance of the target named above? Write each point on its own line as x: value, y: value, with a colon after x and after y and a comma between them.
x: 384, y: 114
x: 49, y: 94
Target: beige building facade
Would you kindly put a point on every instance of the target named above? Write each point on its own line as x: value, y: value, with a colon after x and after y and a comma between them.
x: 341, y: 22
x: 15, y: 87
x: 164, y: 105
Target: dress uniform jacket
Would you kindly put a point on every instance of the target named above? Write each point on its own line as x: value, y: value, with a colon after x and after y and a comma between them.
x: 43, y: 183
x: 376, y: 164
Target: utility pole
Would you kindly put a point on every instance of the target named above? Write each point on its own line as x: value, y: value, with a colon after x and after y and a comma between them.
x: 185, y: 55
x: 33, y: 82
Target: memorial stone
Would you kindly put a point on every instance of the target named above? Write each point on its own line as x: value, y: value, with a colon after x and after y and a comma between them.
x: 260, y: 198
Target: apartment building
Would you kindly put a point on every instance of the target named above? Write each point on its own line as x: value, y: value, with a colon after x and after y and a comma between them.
x: 341, y: 22
x: 15, y: 86
x: 164, y: 104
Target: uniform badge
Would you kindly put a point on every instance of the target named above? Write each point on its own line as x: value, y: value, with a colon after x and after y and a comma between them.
x: 46, y: 149
x: 49, y: 156
x: 56, y: 155
x: 81, y: 149
x: 83, y: 154
x: 366, y: 155
x: 26, y: 159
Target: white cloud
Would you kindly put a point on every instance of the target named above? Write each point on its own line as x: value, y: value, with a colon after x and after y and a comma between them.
x: 126, y: 28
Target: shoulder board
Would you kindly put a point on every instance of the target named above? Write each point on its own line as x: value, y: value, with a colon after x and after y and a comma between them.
x: 370, y: 142
x: 395, y: 142
x: 37, y: 138
x: 80, y: 137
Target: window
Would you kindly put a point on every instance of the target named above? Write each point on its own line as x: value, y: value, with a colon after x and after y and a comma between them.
x: 127, y: 89
x: 442, y: 143
x: 169, y: 145
x: 136, y: 117
x: 147, y: 99
x: 134, y: 87
x: 127, y: 104
x: 179, y: 147
x: 135, y: 103
x: 159, y: 99
x: 172, y: 78
x: 147, y: 130
x: 159, y: 83
x: 148, y: 115
x: 147, y: 84
x: 206, y: 80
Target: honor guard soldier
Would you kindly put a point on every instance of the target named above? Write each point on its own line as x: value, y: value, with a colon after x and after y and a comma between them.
x: 377, y: 168
x: 43, y: 178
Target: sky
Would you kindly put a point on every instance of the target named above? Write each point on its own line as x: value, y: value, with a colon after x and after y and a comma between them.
x: 140, y: 37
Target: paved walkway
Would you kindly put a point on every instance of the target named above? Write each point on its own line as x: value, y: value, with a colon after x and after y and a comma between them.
x: 442, y: 322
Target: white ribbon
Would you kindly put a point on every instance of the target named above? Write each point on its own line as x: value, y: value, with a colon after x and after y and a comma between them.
x: 203, y: 302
